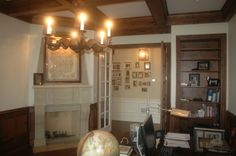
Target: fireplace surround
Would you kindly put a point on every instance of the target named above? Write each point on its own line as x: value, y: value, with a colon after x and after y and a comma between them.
x: 52, y: 101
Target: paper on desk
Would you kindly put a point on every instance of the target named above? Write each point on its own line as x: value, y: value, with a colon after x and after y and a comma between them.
x: 177, y: 136
x: 176, y: 143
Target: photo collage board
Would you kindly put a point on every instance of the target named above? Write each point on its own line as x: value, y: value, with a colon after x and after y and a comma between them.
x: 131, y: 74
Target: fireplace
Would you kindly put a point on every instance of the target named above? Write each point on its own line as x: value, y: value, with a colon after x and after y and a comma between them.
x: 61, y: 113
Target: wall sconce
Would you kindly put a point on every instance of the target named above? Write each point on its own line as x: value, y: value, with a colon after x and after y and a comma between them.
x: 143, y: 54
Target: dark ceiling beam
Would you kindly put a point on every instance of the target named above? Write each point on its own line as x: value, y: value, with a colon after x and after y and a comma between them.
x: 38, y: 11
x: 229, y: 9
x: 158, y: 10
x: 105, y: 2
x: 196, y: 18
x: 138, y: 26
x: 68, y: 5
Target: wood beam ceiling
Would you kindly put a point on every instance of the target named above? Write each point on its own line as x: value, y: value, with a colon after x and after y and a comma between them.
x: 137, y: 26
x: 106, y: 2
x: 229, y: 9
x: 158, y: 10
x: 38, y: 11
x: 196, y: 18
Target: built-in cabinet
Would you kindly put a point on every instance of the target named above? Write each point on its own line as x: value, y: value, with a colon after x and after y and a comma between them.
x: 201, y: 79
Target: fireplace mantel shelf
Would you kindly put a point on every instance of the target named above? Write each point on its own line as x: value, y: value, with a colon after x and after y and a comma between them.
x: 63, y: 85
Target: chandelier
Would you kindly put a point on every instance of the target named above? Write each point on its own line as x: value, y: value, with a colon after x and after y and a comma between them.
x: 77, y: 40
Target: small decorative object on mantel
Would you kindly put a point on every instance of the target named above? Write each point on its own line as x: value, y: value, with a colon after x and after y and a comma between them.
x: 38, y: 78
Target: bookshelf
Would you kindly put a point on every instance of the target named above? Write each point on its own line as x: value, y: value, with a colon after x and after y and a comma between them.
x: 201, y: 78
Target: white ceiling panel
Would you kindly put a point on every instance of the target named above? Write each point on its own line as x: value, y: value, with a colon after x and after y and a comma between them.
x: 126, y: 10
x: 188, y: 6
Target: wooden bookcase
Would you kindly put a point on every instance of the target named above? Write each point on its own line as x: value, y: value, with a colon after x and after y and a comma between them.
x: 201, y: 59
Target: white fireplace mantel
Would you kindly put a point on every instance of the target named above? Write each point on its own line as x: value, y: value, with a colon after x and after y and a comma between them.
x: 61, y: 97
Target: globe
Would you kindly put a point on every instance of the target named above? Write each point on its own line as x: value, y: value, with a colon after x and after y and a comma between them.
x: 98, y: 143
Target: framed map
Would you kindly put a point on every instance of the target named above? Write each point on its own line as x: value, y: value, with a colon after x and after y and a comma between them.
x: 62, y: 65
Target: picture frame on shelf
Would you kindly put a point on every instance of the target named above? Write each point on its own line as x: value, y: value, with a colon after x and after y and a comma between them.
x: 194, y: 79
x: 38, y: 78
x: 213, y: 82
x: 203, y: 137
x: 203, y: 65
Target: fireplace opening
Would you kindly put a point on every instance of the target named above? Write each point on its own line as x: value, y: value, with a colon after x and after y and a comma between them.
x: 62, y: 127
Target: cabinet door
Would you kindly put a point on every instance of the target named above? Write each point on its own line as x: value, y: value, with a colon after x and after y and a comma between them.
x: 104, y: 98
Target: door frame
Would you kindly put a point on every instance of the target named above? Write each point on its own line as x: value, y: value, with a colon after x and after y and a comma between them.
x: 164, y: 117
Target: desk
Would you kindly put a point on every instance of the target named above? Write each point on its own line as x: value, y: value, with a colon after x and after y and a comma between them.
x: 176, y: 151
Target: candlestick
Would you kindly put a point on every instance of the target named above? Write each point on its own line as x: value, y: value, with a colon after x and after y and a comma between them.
x: 108, y: 25
x: 82, y: 18
x: 102, y: 35
x: 49, y: 21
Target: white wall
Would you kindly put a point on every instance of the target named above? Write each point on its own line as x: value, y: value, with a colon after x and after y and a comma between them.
x: 131, y: 104
x: 232, y: 64
x: 192, y: 29
x: 14, y: 63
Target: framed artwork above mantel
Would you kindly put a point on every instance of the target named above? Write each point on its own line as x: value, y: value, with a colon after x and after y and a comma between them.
x: 62, y: 65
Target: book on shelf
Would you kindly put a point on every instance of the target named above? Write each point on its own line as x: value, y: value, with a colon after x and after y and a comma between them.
x: 213, y: 95
x: 125, y: 150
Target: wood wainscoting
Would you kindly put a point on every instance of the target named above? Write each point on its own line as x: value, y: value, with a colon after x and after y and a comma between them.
x: 230, y: 123
x: 17, y: 132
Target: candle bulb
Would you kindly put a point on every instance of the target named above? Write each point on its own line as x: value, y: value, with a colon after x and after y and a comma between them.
x: 82, y: 18
x: 109, y: 25
x: 74, y: 34
x: 49, y: 22
x: 102, y: 35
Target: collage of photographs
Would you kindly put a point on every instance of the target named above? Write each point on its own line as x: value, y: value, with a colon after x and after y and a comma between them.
x: 131, y: 74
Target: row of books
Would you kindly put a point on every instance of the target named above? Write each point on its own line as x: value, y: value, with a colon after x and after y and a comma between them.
x: 210, y: 112
x: 213, y: 95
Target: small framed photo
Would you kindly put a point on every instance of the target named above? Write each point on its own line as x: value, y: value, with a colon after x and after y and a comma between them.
x: 134, y: 75
x: 127, y: 73
x: 147, y: 65
x: 194, y: 80
x: 116, y: 88
x: 213, y: 82
x: 203, y: 65
x: 144, y: 89
x: 135, y: 83
x: 128, y: 65
x: 127, y: 87
x: 38, y: 79
x: 137, y: 65
x: 140, y: 74
x: 127, y: 80
x: 116, y: 66
x: 147, y: 74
